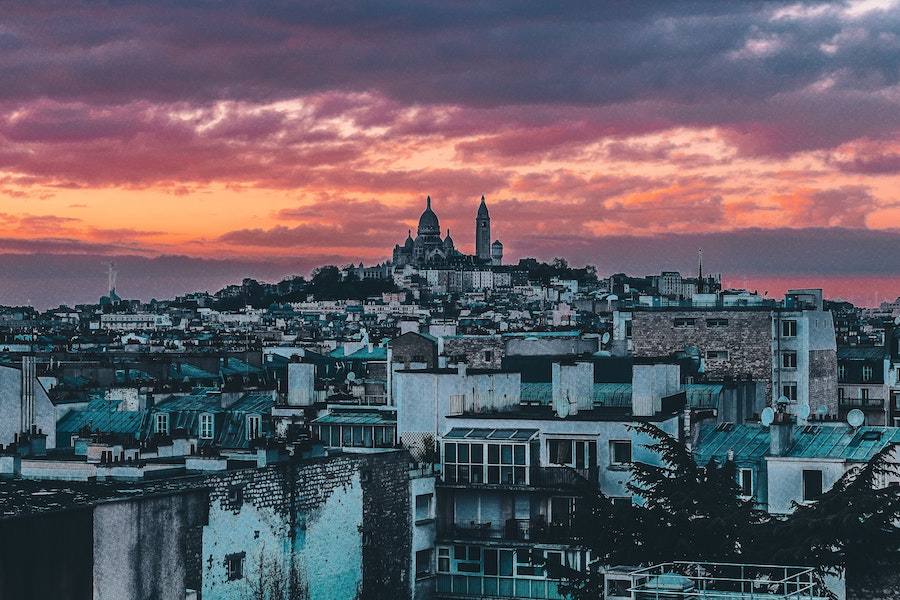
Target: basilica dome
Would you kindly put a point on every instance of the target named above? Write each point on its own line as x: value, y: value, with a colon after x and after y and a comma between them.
x: 428, y: 222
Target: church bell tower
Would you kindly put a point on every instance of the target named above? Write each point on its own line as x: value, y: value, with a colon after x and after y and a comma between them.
x: 483, y: 232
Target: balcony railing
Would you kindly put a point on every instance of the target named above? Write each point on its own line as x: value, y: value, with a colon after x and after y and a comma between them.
x: 480, y: 586
x: 541, y: 477
x: 513, y: 530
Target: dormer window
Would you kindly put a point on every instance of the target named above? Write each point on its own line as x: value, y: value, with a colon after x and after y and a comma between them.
x: 206, y: 426
x: 254, y: 427
x: 162, y: 423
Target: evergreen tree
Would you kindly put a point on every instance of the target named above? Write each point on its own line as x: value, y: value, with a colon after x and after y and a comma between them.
x: 685, y: 513
x: 851, y: 529
x: 697, y: 514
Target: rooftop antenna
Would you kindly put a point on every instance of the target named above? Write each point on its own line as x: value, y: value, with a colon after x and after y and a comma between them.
x: 111, y: 274
x: 700, y: 263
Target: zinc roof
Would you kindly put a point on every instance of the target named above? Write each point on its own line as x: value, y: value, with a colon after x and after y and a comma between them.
x: 750, y: 442
x: 355, y: 418
x: 491, y: 434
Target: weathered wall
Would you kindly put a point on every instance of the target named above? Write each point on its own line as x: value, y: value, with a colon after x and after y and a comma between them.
x: 386, y: 529
x: 148, y: 547
x: 326, y: 527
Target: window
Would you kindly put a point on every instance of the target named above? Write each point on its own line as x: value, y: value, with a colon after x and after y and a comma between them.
x: 620, y: 501
x: 789, y: 328
x: 717, y: 322
x: 468, y: 559
x: 457, y: 404
x: 863, y: 393
x: 162, y: 423
x: 423, y: 563
x: 789, y: 391
x: 506, y: 464
x: 842, y: 372
x: 717, y: 355
x: 620, y: 453
x: 867, y: 373
x: 684, y: 323
x: 464, y: 463
x: 423, y: 507
x: 812, y: 485
x: 254, y: 423
x: 573, y: 453
x: 524, y: 564
x: 234, y: 566
x: 498, y: 562
x: 745, y: 480
x: 206, y: 427
x: 789, y: 360
x: 562, y: 510
x: 488, y: 355
x: 618, y: 588
x: 842, y: 393
x: 443, y: 560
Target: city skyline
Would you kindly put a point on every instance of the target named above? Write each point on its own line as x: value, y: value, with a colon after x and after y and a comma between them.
x: 196, y: 145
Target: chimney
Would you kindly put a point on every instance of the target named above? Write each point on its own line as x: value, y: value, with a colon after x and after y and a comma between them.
x: 781, y: 434
x: 461, y: 368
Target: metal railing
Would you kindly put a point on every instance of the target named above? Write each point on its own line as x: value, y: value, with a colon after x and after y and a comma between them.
x: 520, y: 530
x: 724, y: 581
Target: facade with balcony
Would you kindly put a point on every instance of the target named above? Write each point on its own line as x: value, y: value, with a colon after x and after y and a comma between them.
x: 509, y: 487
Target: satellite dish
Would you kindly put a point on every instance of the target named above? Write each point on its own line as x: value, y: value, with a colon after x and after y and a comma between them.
x: 856, y: 418
x: 767, y: 416
x: 605, y: 339
x: 351, y: 376
x: 803, y: 412
x: 896, y: 320
x: 822, y: 410
x: 561, y: 407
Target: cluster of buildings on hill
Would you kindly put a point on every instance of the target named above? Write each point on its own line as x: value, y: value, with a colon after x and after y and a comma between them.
x: 411, y: 445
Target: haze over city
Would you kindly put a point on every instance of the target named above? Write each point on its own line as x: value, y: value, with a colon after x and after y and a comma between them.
x: 197, y: 145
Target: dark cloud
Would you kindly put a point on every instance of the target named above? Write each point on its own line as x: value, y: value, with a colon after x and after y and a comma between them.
x: 754, y: 68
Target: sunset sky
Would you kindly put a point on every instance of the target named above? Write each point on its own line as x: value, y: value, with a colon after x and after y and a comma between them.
x: 196, y: 145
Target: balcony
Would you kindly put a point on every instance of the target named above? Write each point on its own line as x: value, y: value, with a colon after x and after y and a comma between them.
x: 481, y: 586
x: 510, y: 530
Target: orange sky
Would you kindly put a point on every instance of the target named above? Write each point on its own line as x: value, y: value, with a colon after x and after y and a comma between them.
x: 281, y: 132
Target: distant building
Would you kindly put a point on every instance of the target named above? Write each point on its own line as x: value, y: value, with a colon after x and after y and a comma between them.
x: 428, y: 248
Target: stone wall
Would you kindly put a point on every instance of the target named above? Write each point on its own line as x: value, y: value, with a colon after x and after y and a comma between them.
x: 747, y: 338
x: 478, y: 351
x: 413, y: 348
